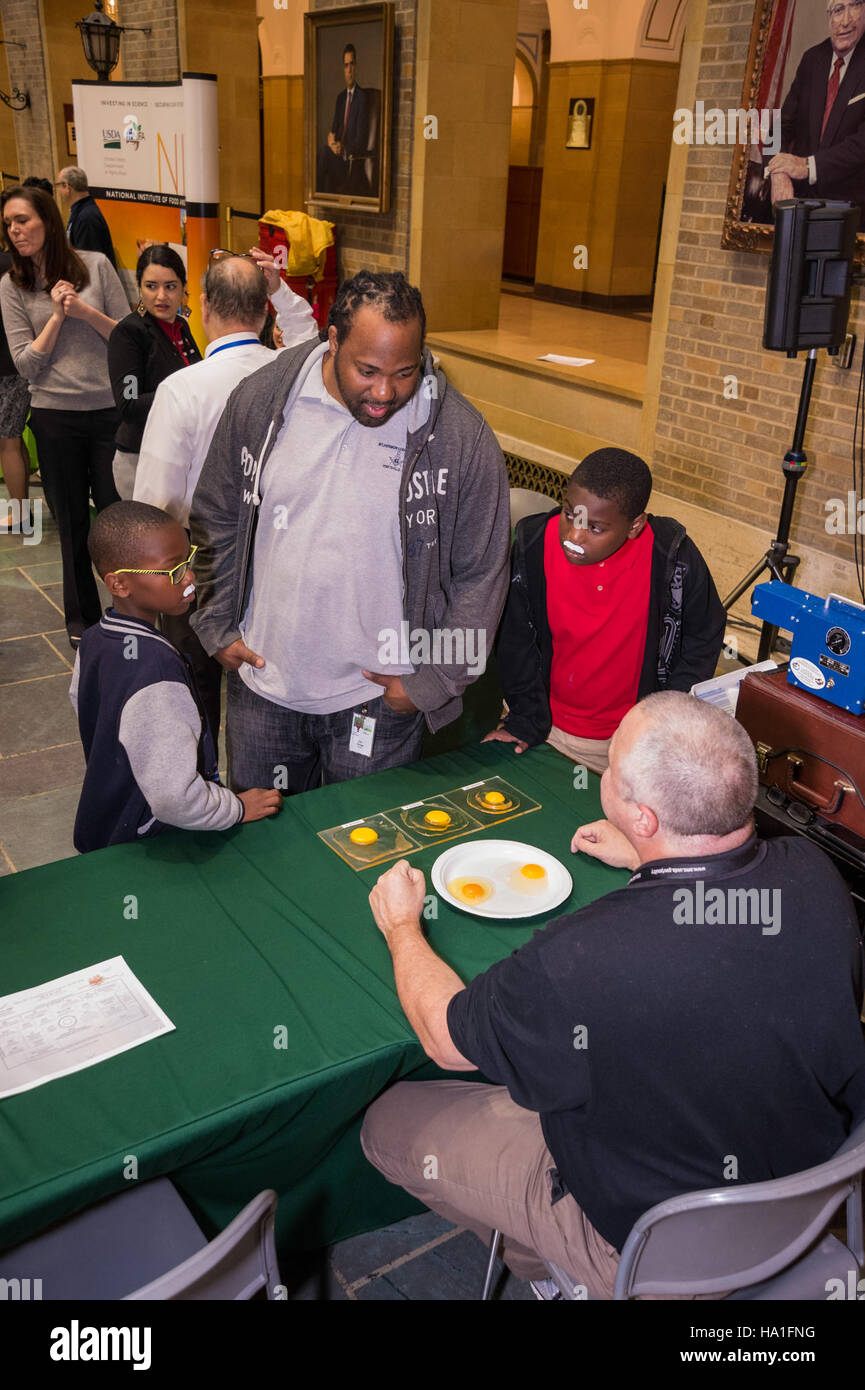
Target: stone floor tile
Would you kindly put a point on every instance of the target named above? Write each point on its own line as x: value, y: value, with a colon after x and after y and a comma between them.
x: 22, y: 658
x: 46, y: 769
x: 14, y: 553
x: 380, y: 1291
x: 43, y: 570
x: 23, y: 609
x: 36, y: 714
x: 360, y: 1255
x: 38, y: 829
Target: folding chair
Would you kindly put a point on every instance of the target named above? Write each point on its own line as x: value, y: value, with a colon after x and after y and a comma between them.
x: 765, y: 1240
x: 145, y: 1244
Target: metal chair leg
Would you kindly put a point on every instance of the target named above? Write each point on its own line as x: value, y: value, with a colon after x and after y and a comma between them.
x: 495, y: 1242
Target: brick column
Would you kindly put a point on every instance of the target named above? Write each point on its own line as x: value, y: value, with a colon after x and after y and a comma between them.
x: 23, y: 23
x: 152, y: 57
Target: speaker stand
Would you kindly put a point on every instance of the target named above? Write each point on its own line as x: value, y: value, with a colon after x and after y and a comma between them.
x: 777, y: 561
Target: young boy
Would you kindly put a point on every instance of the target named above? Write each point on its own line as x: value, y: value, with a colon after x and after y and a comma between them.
x: 151, y: 759
x: 606, y: 605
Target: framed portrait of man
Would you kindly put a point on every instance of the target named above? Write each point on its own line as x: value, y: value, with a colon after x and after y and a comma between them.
x: 801, y: 125
x: 348, y: 104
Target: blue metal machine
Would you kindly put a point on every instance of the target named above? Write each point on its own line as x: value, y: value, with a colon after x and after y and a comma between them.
x: 828, y: 651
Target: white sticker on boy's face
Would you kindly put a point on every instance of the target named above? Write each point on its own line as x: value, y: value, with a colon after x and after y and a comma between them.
x: 362, y: 734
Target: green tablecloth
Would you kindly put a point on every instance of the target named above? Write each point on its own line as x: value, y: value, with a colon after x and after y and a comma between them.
x: 238, y: 935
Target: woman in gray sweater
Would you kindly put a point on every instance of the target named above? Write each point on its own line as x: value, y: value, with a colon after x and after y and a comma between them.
x: 59, y: 308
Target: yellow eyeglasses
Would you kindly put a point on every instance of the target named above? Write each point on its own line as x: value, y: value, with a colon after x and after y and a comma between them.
x: 176, y: 575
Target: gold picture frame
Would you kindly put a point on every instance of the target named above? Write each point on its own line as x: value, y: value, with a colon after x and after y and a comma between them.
x: 349, y: 138
x: 783, y: 37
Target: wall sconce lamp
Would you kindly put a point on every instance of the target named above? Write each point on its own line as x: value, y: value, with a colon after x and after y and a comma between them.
x: 17, y: 101
x: 100, y: 38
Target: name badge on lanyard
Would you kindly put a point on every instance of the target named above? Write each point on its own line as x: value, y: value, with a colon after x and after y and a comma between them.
x: 362, y: 733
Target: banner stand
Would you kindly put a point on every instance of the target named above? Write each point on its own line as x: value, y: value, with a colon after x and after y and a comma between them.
x: 150, y: 152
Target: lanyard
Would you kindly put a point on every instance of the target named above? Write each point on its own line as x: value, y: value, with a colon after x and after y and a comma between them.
x: 713, y: 866
x: 242, y: 342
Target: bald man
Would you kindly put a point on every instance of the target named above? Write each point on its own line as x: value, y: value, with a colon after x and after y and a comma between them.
x: 187, y: 407
x: 706, y: 1011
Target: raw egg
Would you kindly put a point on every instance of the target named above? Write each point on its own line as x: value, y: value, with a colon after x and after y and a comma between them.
x: 471, y: 891
x: 494, y: 798
x: 528, y: 878
x: 364, y: 835
x: 437, y: 818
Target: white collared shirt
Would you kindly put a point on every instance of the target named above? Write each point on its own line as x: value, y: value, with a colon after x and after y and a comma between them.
x: 189, y: 403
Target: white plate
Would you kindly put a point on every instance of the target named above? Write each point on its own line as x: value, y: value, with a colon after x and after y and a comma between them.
x: 496, y: 861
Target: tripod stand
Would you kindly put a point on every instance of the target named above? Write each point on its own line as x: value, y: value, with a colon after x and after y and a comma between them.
x: 779, y: 564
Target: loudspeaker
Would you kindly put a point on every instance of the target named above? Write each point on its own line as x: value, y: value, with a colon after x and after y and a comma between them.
x: 810, y: 275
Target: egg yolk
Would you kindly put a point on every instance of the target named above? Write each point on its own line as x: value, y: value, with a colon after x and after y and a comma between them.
x: 470, y: 890
x: 494, y: 798
x: 364, y: 835
x: 533, y: 871
x: 437, y: 818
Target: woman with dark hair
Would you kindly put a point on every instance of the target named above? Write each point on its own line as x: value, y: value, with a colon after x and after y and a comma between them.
x: 59, y: 308
x: 147, y: 346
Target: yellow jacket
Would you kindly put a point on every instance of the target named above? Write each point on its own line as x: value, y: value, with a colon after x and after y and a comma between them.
x: 308, y: 240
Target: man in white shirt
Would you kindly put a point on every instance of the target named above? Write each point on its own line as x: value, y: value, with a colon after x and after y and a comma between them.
x: 185, y: 414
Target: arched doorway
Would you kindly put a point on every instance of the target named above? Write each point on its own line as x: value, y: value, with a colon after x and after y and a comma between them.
x: 528, y: 126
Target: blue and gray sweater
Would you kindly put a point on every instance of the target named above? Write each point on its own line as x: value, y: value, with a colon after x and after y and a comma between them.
x: 151, y: 760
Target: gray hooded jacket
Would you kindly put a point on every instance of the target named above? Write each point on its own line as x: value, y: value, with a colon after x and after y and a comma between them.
x: 454, y: 525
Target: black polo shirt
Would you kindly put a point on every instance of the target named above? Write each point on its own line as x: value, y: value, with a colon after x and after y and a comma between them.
x: 87, y: 229
x: 677, y: 1035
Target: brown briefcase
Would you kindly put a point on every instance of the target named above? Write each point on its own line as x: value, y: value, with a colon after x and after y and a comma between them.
x: 813, y: 751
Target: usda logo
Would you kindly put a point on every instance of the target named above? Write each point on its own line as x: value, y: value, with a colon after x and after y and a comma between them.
x: 132, y: 132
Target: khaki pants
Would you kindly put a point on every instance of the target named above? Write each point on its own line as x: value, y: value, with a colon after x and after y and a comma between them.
x: 593, y: 753
x: 472, y: 1155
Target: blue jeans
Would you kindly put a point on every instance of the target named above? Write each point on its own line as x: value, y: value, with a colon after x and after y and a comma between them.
x: 269, y: 745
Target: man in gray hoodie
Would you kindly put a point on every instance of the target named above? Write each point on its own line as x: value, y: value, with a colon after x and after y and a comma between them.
x: 352, y: 520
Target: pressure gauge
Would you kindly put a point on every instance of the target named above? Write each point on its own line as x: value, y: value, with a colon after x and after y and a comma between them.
x: 838, y: 641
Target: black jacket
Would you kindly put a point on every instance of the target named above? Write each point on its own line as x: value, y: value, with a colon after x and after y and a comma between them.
x: 356, y: 137
x: 140, y: 356
x: 839, y: 153
x: 683, y: 639
x: 87, y: 229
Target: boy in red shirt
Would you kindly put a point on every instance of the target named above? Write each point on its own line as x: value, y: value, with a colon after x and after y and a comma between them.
x: 606, y: 605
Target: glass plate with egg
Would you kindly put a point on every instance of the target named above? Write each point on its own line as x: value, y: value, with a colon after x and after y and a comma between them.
x: 492, y: 800
x: 500, y: 879
x: 362, y: 843
x: 434, y: 819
